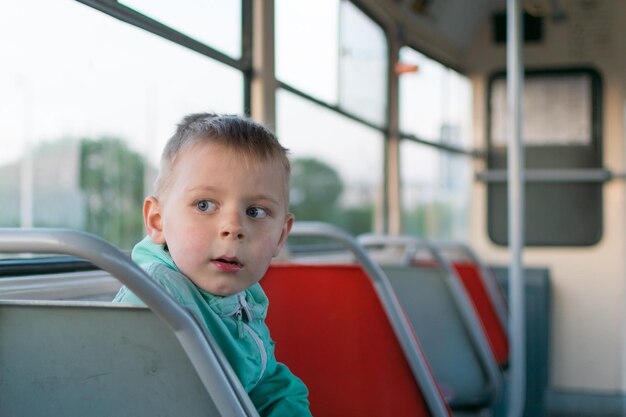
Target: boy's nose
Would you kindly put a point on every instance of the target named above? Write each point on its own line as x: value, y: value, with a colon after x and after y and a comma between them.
x: 232, y: 228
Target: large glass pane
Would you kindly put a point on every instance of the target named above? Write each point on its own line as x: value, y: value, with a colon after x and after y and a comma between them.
x: 86, y: 105
x: 330, y: 182
x: 435, y: 192
x: 435, y: 101
x: 307, y: 46
x: 331, y: 50
x: 457, y: 116
x: 363, y: 58
x: 216, y: 23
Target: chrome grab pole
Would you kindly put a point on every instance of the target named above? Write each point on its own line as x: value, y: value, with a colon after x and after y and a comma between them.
x: 515, y: 84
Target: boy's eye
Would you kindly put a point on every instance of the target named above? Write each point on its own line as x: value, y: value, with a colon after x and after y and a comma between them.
x: 205, y: 205
x: 256, y: 212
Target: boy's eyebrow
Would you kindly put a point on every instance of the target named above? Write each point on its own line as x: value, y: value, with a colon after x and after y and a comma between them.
x: 202, y: 188
x: 265, y: 197
x: 253, y: 197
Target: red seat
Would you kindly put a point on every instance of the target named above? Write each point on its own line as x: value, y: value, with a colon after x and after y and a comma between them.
x: 471, y: 278
x: 331, y: 330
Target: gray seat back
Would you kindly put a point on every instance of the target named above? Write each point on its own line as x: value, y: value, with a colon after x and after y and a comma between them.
x: 98, y: 341
x: 94, y: 359
x: 434, y: 315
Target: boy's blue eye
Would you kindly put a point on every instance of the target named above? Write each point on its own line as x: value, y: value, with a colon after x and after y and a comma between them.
x: 205, y: 205
x: 256, y: 212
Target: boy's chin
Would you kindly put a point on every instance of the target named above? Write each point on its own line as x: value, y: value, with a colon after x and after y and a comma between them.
x: 226, y: 290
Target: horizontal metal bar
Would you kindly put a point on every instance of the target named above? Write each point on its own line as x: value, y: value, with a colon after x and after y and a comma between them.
x: 332, y: 107
x: 66, y: 286
x: 474, y: 153
x: 551, y: 175
x: 128, y: 15
x: 384, y: 129
x: 14, y: 267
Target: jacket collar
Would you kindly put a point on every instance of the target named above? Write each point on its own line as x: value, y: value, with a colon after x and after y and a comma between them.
x: 253, y: 300
x: 147, y: 252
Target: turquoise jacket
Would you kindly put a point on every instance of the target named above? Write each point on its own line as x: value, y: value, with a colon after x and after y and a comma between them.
x: 237, y: 322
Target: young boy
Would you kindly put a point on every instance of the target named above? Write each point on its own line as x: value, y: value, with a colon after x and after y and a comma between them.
x: 217, y: 219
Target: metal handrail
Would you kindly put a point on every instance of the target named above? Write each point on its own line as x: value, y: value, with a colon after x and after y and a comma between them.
x: 490, y: 284
x: 410, y: 243
x: 213, y: 370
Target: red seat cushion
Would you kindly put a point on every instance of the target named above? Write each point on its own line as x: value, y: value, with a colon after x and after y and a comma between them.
x: 483, y: 305
x: 331, y: 330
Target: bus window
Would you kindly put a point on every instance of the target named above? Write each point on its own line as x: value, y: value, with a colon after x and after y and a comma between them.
x: 362, y: 61
x: 307, y: 47
x: 329, y: 50
x: 330, y: 180
x: 435, y: 154
x: 326, y: 52
x: 87, y: 104
x: 436, y: 188
x: 435, y: 102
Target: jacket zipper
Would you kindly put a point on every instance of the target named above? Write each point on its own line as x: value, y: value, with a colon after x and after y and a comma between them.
x: 241, y: 326
x: 259, y: 344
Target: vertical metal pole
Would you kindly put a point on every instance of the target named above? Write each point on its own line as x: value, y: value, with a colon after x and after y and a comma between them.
x: 392, y: 201
x: 263, y: 85
x: 515, y: 88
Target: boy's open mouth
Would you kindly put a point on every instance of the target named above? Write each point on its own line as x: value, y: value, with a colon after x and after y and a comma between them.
x: 228, y: 263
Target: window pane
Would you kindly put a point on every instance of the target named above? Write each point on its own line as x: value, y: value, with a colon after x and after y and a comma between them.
x: 363, y: 58
x: 85, y: 118
x: 306, y: 46
x: 457, y: 127
x: 557, y: 110
x: 329, y: 181
x: 216, y: 23
x: 330, y: 49
x: 435, y: 192
x: 435, y: 102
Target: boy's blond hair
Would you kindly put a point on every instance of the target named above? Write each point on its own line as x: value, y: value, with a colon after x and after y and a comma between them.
x: 253, y: 141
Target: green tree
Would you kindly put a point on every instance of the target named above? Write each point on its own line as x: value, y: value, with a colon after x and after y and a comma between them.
x: 315, y: 190
x: 112, y: 182
x: 358, y: 220
x: 432, y: 220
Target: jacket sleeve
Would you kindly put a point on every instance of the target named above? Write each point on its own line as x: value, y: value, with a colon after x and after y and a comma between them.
x: 280, y: 393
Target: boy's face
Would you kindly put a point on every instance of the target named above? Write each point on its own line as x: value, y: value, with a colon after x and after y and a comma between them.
x: 223, y: 219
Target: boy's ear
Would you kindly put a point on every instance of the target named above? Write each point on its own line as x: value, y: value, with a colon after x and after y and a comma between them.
x: 153, y: 220
x: 284, y: 233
